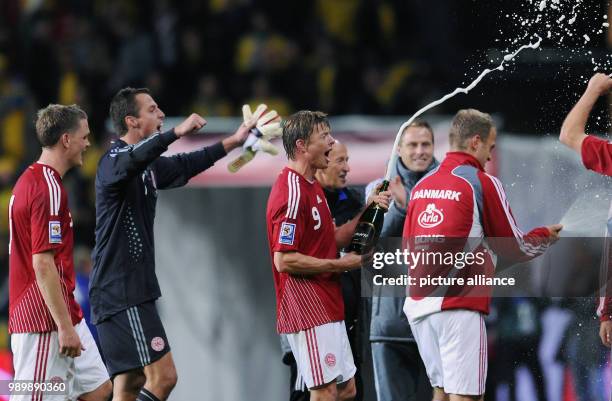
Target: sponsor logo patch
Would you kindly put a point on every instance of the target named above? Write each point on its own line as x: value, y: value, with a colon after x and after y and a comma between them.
x: 287, y: 234
x: 158, y: 344
x: 55, y: 232
x: 330, y: 360
x: 430, y: 217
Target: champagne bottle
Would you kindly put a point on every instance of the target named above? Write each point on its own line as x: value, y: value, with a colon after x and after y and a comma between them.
x: 370, y: 224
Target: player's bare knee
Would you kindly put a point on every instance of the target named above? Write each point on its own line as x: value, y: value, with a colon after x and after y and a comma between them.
x: 169, y: 380
x: 162, y: 383
x: 456, y: 397
x: 102, y: 393
x: 347, y: 391
x: 137, y: 384
x: 439, y: 394
x: 328, y: 392
x: 105, y: 390
x: 127, y: 385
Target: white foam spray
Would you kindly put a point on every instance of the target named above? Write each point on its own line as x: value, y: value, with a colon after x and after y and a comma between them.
x: 500, y: 67
x: 542, y: 5
x: 587, y: 216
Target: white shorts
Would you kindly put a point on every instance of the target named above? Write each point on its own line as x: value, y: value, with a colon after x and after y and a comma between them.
x: 36, y: 357
x: 323, y: 354
x: 453, y: 346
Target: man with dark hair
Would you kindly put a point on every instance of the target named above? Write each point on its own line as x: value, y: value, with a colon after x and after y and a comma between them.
x: 124, y: 286
x: 459, y: 200
x: 399, y: 373
x: 304, y: 246
x: 49, y: 337
x: 597, y: 156
x: 344, y: 203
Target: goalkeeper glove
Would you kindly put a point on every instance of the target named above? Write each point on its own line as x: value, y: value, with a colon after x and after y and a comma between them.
x: 267, y: 127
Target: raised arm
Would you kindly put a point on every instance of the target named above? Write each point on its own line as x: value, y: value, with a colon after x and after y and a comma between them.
x: 177, y: 170
x: 121, y: 164
x: 573, y: 130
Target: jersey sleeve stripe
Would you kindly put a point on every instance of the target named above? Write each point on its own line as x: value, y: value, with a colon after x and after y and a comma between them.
x: 51, y: 191
x: 290, y: 195
x: 295, y: 197
x: 504, y: 201
x: 58, y: 193
x: 297, y: 200
x: 49, y: 176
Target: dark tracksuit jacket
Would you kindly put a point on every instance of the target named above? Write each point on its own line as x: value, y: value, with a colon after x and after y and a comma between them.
x: 127, y: 181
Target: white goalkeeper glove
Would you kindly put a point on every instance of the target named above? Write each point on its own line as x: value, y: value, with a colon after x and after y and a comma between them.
x: 267, y: 127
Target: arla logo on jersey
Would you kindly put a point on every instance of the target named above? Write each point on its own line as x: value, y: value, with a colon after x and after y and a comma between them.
x: 287, y: 234
x: 430, y: 217
x: 55, y: 232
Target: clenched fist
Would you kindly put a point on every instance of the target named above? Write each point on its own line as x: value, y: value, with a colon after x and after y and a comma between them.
x: 192, y: 124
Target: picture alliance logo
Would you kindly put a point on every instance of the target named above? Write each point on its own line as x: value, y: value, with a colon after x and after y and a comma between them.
x: 430, y: 217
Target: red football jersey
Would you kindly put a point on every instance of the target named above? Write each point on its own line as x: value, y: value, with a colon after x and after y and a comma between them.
x: 459, y: 200
x: 39, y: 221
x: 299, y: 220
x: 597, y: 156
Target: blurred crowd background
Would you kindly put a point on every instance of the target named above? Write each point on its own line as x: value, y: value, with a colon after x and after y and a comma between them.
x: 366, y: 57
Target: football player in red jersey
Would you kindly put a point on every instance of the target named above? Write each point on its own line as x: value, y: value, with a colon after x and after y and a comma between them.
x: 460, y: 200
x: 597, y: 156
x: 50, y: 341
x: 303, y: 245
